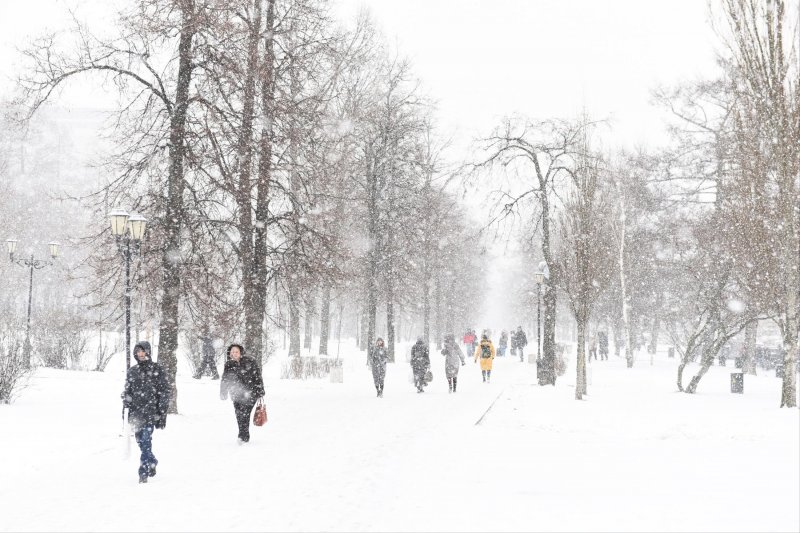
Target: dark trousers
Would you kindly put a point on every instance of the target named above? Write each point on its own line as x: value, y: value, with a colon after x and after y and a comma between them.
x: 603, y: 354
x: 378, y: 376
x: 243, y: 410
x: 521, y: 354
x: 451, y: 383
x: 144, y: 438
x: 419, y: 379
x: 486, y: 374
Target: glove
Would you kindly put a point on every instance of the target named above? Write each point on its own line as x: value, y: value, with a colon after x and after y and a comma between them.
x: 223, y: 396
x: 462, y: 364
x: 161, y: 422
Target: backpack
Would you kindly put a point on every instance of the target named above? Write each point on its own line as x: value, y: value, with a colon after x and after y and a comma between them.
x: 486, y: 351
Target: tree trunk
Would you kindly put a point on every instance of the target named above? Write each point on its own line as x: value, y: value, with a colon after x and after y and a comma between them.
x: 308, y: 324
x: 173, y: 216
x: 390, y: 322
x: 749, y: 348
x: 437, y: 295
x: 325, y: 320
x: 259, y: 272
x: 580, y: 380
x: 294, y: 320
x: 253, y: 317
x: 654, y: 331
x: 550, y: 299
x: 426, y: 312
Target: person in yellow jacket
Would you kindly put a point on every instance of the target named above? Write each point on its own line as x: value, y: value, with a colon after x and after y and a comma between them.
x: 485, y: 352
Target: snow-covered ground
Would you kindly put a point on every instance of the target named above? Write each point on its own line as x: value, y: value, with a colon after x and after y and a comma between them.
x: 636, y: 455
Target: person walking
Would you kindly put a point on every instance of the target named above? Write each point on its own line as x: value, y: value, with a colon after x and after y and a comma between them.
x: 520, y: 341
x: 209, y: 359
x: 243, y: 382
x: 502, y: 343
x: 592, y: 347
x: 485, y: 352
x: 146, y: 396
x: 420, y: 363
x: 602, y: 341
x: 452, y: 355
x: 378, y: 358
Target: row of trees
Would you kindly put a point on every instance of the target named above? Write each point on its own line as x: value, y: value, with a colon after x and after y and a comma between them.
x: 699, y: 239
x: 288, y: 166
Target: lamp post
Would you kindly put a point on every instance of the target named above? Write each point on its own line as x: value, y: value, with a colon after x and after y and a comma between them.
x: 127, y: 229
x: 33, y: 264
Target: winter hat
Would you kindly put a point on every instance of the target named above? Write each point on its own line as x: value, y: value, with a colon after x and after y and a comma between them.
x: 144, y: 345
x: 379, y: 340
x: 241, y: 349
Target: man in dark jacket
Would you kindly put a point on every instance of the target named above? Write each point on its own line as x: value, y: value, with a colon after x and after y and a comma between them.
x: 242, y: 380
x: 520, y: 341
x: 146, y: 396
x: 420, y: 363
x: 209, y: 358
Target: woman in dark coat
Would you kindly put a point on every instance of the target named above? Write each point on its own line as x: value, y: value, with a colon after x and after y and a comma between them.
x: 242, y: 380
x: 420, y: 363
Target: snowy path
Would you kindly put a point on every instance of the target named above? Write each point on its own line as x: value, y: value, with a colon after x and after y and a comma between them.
x: 635, y: 456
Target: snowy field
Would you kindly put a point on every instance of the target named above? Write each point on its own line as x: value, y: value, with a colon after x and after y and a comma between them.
x: 635, y: 456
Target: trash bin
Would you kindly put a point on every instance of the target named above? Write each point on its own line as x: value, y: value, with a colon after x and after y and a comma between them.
x: 737, y: 382
x: 671, y: 352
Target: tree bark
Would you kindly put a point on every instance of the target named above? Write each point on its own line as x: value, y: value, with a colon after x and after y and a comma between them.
x: 749, y: 348
x: 325, y: 320
x: 259, y: 271
x: 173, y: 216
x: 253, y: 316
x: 580, y: 379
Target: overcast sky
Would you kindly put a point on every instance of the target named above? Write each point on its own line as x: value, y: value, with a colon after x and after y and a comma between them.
x: 483, y: 59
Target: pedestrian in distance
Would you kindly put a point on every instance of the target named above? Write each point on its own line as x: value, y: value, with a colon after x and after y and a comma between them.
x: 209, y: 362
x: 452, y: 356
x: 602, y: 342
x: 592, y: 347
x: 520, y: 341
x: 243, y: 382
x: 378, y: 358
x: 502, y: 344
x: 486, y: 353
x: 146, y: 396
x: 420, y: 363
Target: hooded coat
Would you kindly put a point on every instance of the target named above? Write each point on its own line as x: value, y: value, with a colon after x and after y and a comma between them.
x: 453, y: 357
x: 147, y: 391
x: 486, y: 362
x: 420, y: 358
x: 241, y: 379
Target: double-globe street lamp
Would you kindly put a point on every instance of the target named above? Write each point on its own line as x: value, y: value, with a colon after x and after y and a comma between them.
x: 33, y: 264
x: 128, y: 231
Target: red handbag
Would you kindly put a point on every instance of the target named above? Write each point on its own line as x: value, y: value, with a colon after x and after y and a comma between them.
x: 260, y: 414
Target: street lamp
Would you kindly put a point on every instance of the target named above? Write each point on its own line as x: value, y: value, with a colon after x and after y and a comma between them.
x: 127, y: 229
x: 32, y: 264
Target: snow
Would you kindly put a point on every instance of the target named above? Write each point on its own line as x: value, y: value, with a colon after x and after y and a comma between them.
x: 636, y: 455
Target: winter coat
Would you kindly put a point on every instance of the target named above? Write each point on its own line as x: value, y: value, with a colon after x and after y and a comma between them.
x: 519, y: 339
x: 147, y: 392
x: 453, y: 355
x: 378, y: 359
x: 503, y: 340
x: 241, y: 380
x: 420, y: 358
x: 486, y: 363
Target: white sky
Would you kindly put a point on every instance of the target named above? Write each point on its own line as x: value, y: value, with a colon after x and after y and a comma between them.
x: 482, y: 59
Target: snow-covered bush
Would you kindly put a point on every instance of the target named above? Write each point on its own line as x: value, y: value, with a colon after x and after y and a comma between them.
x: 13, y: 369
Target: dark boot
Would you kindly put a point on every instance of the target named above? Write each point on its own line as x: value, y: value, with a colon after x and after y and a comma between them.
x: 142, y: 478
